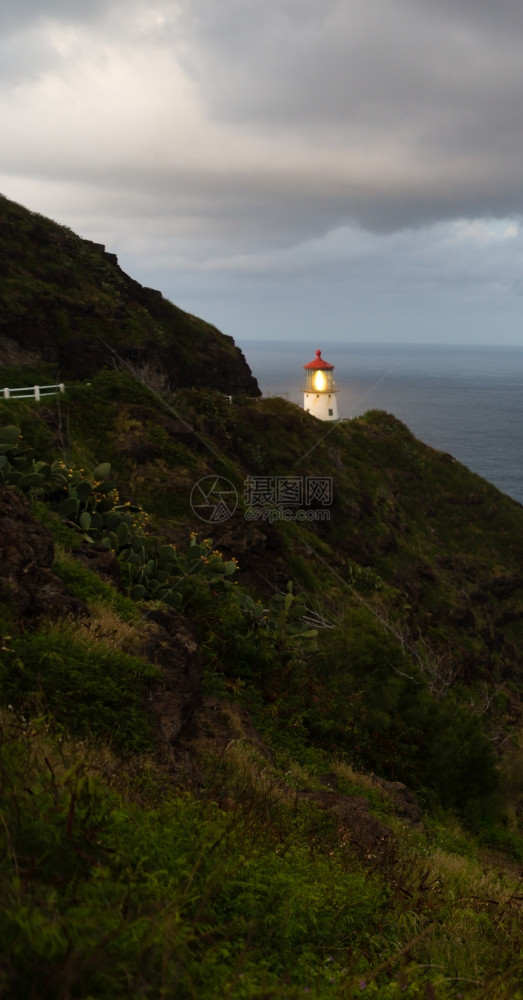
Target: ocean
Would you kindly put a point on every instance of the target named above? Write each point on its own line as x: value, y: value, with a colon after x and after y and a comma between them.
x: 464, y: 400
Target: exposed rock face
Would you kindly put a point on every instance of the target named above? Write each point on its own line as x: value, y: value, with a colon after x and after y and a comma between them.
x: 171, y: 643
x: 405, y: 802
x: 97, y: 558
x: 356, y: 822
x: 11, y: 353
x: 258, y: 549
x: 216, y: 724
x: 26, y: 557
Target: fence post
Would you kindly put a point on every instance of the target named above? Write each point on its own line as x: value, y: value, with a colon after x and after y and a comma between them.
x: 61, y: 387
x: 6, y: 393
x: 37, y: 393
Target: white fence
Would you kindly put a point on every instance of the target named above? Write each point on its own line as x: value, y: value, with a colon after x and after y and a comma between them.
x: 33, y: 391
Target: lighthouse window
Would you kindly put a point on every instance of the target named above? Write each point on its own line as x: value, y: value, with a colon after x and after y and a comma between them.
x: 330, y: 413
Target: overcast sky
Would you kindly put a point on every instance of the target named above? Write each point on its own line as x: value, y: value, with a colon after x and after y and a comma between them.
x: 302, y: 169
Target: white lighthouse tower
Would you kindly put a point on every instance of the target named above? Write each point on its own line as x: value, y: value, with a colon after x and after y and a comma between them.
x: 319, y: 394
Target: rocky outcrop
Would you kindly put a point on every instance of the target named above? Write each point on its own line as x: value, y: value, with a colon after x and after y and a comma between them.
x: 171, y: 644
x: 26, y: 557
x: 356, y: 824
x: 11, y: 353
x: 102, y: 561
x: 403, y: 799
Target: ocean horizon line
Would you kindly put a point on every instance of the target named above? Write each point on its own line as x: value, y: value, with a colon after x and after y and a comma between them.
x: 379, y: 343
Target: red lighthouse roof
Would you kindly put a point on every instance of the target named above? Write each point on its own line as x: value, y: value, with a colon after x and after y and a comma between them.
x: 319, y: 363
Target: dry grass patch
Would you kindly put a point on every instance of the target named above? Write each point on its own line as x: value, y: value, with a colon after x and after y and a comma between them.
x: 60, y: 760
x: 107, y: 627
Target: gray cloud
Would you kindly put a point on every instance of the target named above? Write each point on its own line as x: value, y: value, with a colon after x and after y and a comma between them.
x: 418, y: 105
x: 348, y: 63
x: 16, y: 14
x: 245, y: 141
x: 390, y: 114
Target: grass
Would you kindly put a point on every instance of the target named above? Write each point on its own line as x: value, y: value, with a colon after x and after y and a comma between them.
x: 91, y: 588
x: 113, y: 886
x: 84, y: 687
x: 116, y: 881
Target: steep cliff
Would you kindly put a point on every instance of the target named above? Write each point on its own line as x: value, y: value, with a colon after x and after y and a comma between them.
x: 65, y: 301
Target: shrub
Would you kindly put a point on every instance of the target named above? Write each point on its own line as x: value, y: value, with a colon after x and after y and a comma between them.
x: 86, y: 688
x: 395, y: 727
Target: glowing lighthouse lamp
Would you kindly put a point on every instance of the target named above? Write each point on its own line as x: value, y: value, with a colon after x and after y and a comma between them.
x: 319, y: 394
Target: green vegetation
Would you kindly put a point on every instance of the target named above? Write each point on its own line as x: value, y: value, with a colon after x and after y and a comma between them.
x: 91, y: 692
x: 341, y: 816
x: 118, y: 883
x: 66, y: 298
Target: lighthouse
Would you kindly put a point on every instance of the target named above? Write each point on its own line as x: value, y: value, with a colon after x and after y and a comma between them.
x: 319, y: 393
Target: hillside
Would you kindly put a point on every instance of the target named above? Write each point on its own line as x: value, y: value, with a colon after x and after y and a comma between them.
x: 68, y: 309
x: 260, y: 730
